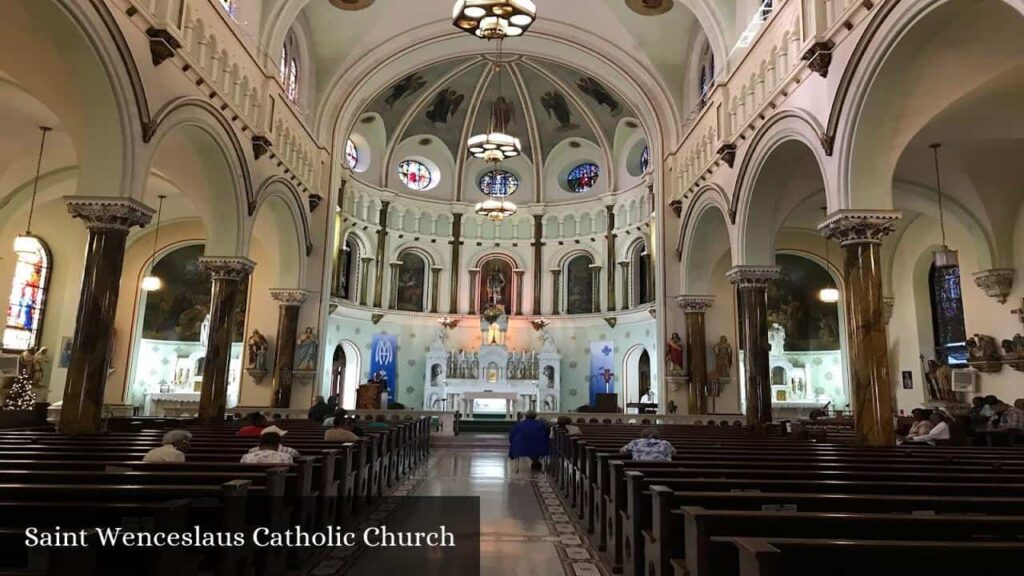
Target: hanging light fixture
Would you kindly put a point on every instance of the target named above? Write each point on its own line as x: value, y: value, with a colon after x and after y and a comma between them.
x: 494, y: 146
x: 944, y: 257
x: 494, y: 19
x: 151, y: 282
x: 497, y: 209
x: 828, y: 295
x: 27, y: 243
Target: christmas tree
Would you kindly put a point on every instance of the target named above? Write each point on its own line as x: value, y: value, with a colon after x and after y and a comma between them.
x: 20, y: 396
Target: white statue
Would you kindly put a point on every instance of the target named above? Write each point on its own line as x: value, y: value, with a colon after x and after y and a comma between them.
x: 204, y: 332
x: 777, y: 340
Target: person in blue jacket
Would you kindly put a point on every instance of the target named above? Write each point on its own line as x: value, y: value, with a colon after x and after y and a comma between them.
x: 529, y: 438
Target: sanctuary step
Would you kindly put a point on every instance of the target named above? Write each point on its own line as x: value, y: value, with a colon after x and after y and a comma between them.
x: 486, y: 425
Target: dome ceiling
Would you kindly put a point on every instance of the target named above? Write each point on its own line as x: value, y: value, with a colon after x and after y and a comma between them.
x: 544, y: 103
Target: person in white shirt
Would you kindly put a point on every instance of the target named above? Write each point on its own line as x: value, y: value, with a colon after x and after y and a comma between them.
x: 939, y: 430
x: 268, y: 452
x: 175, y: 444
x: 281, y: 447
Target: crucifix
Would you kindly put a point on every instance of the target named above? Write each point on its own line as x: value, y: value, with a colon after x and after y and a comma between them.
x: 607, y: 376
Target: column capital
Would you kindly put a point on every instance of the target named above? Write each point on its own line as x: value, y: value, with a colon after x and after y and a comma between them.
x: 227, y: 267
x: 996, y: 283
x: 623, y: 263
x: 104, y: 213
x: 753, y: 276
x: 694, y: 304
x: 289, y: 296
x: 395, y: 263
x: 436, y: 268
x: 595, y: 266
x: 367, y: 258
x: 850, y: 227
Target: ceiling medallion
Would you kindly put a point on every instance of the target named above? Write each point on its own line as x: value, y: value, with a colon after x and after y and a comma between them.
x: 494, y: 19
x: 649, y: 7
x: 351, y: 4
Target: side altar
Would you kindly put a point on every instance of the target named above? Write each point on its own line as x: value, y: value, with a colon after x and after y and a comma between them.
x: 494, y: 378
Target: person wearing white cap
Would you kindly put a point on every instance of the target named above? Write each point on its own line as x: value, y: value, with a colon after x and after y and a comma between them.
x: 175, y: 444
x: 270, y: 450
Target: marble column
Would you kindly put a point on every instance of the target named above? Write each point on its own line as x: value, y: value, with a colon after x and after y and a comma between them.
x: 518, y: 296
x: 393, y: 293
x: 364, y: 280
x: 860, y: 233
x: 624, y: 266
x: 473, y: 273
x: 453, y: 306
x: 228, y: 275
x: 752, y: 294
x: 108, y: 221
x: 435, y: 287
x: 538, y: 255
x: 610, y: 255
x: 595, y: 279
x: 694, y: 308
x: 289, y: 304
x: 556, y: 290
x: 382, y: 240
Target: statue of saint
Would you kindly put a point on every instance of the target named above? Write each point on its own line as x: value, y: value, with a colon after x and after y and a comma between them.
x: 257, y: 348
x: 723, y: 357
x: 305, y: 357
x: 34, y: 360
x: 495, y: 286
x: 674, y: 355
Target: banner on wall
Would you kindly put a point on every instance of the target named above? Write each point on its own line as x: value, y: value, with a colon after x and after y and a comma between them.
x: 383, y: 360
x: 602, y: 369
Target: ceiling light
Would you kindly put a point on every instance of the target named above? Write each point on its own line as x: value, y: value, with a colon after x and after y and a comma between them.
x: 494, y: 19
x: 496, y: 209
x: 151, y: 282
x: 944, y: 257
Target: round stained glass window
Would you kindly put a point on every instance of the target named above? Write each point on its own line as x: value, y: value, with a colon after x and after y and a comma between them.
x: 415, y: 175
x: 645, y: 159
x: 583, y: 177
x: 499, y: 183
x: 351, y: 154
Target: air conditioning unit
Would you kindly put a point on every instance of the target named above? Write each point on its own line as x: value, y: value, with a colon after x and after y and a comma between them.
x: 965, y: 380
x: 9, y: 365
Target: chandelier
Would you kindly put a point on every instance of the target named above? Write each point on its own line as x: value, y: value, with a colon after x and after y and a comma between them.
x: 944, y: 257
x: 494, y: 19
x: 496, y: 209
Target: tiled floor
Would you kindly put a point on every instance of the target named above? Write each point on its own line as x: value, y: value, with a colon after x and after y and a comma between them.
x: 522, y: 522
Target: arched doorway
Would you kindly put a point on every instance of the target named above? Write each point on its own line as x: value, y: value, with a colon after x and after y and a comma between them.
x: 637, y: 380
x: 338, y: 372
x: 345, y: 371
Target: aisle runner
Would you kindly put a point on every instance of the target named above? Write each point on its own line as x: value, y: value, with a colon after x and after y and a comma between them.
x: 579, y: 558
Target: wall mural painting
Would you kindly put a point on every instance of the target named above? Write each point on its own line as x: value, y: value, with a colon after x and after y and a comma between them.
x: 579, y: 292
x: 557, y: 107
x: 405, y: 87
x: 444, y: 106
x: 179, y: 311
x: 591, y: 87
x: 490, y: 271
x: 502, y: 113
x: 412, y: 280
x: 793, y: 304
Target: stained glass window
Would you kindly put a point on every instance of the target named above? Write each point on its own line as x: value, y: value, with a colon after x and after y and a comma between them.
x: 28, y: 294
x: 499, y: 183
x: 351, y: 154
x: 579, y: 286
x: 415, y: 175
x: 583, y: 177
x: 948, y: 315
x: 645, y: 159
x: 289, y: 72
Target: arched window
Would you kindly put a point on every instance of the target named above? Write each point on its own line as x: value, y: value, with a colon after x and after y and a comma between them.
x: 490, y: 271
x: 28, y: 294
x: 706, y: 74
x: 640, y: 265
x: 345, y: 281
x: 579, y: 285
x: 499, y: 183
x: 231, y: 7
x: 948, y: 315
x: 351, y: 154
x: 583, y: 177
x: 415, y: 175
x: 289, y: 72
x: 411, y: 283
x: 645, y: 159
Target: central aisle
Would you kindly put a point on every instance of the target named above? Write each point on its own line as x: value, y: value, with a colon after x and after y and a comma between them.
x: 524, y: 528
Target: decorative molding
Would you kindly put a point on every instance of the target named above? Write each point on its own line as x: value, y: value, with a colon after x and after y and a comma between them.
x: 105, y: 214
x: 677, y: 207
x: 819, y: 57
x: 996, y: 282
x: 351, y: 4
x: 611, y: 320
x: 727, y: 152
x: 653, y: 312
x: 332, y: 307
x: 235, y: 268
x: 314, y: 201
x: 643, y: 7
x: 753, y: 276
x: 162, y: 45
x: 888, y: 305
x: 376, y: 317
x: 260, y: 146
x: 851, y: 227
x: 289, y: 296
x: 695, y: 304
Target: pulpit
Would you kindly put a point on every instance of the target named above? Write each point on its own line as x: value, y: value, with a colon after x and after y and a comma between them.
x: 368, y: 396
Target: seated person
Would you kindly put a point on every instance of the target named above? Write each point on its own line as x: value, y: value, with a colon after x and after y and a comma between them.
x: 1007, y: 417
x: 565, y: 423
x: 256, y: 423
x: 319, y: 410
x: 921, y: 424
x: 649, y: 447
x: 268, y: 452
x: 529, y: 438
x: 938, y: 431
x: 281, y: 447
x: 341, y: 432
x: 175, y: 444
x: 379, y: 421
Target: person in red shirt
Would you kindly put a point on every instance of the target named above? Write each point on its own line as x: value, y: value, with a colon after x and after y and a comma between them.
x: 257, y: 422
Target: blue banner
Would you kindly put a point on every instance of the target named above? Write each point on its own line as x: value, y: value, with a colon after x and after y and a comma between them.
x: 383, y: 360
x: 602, y: 369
